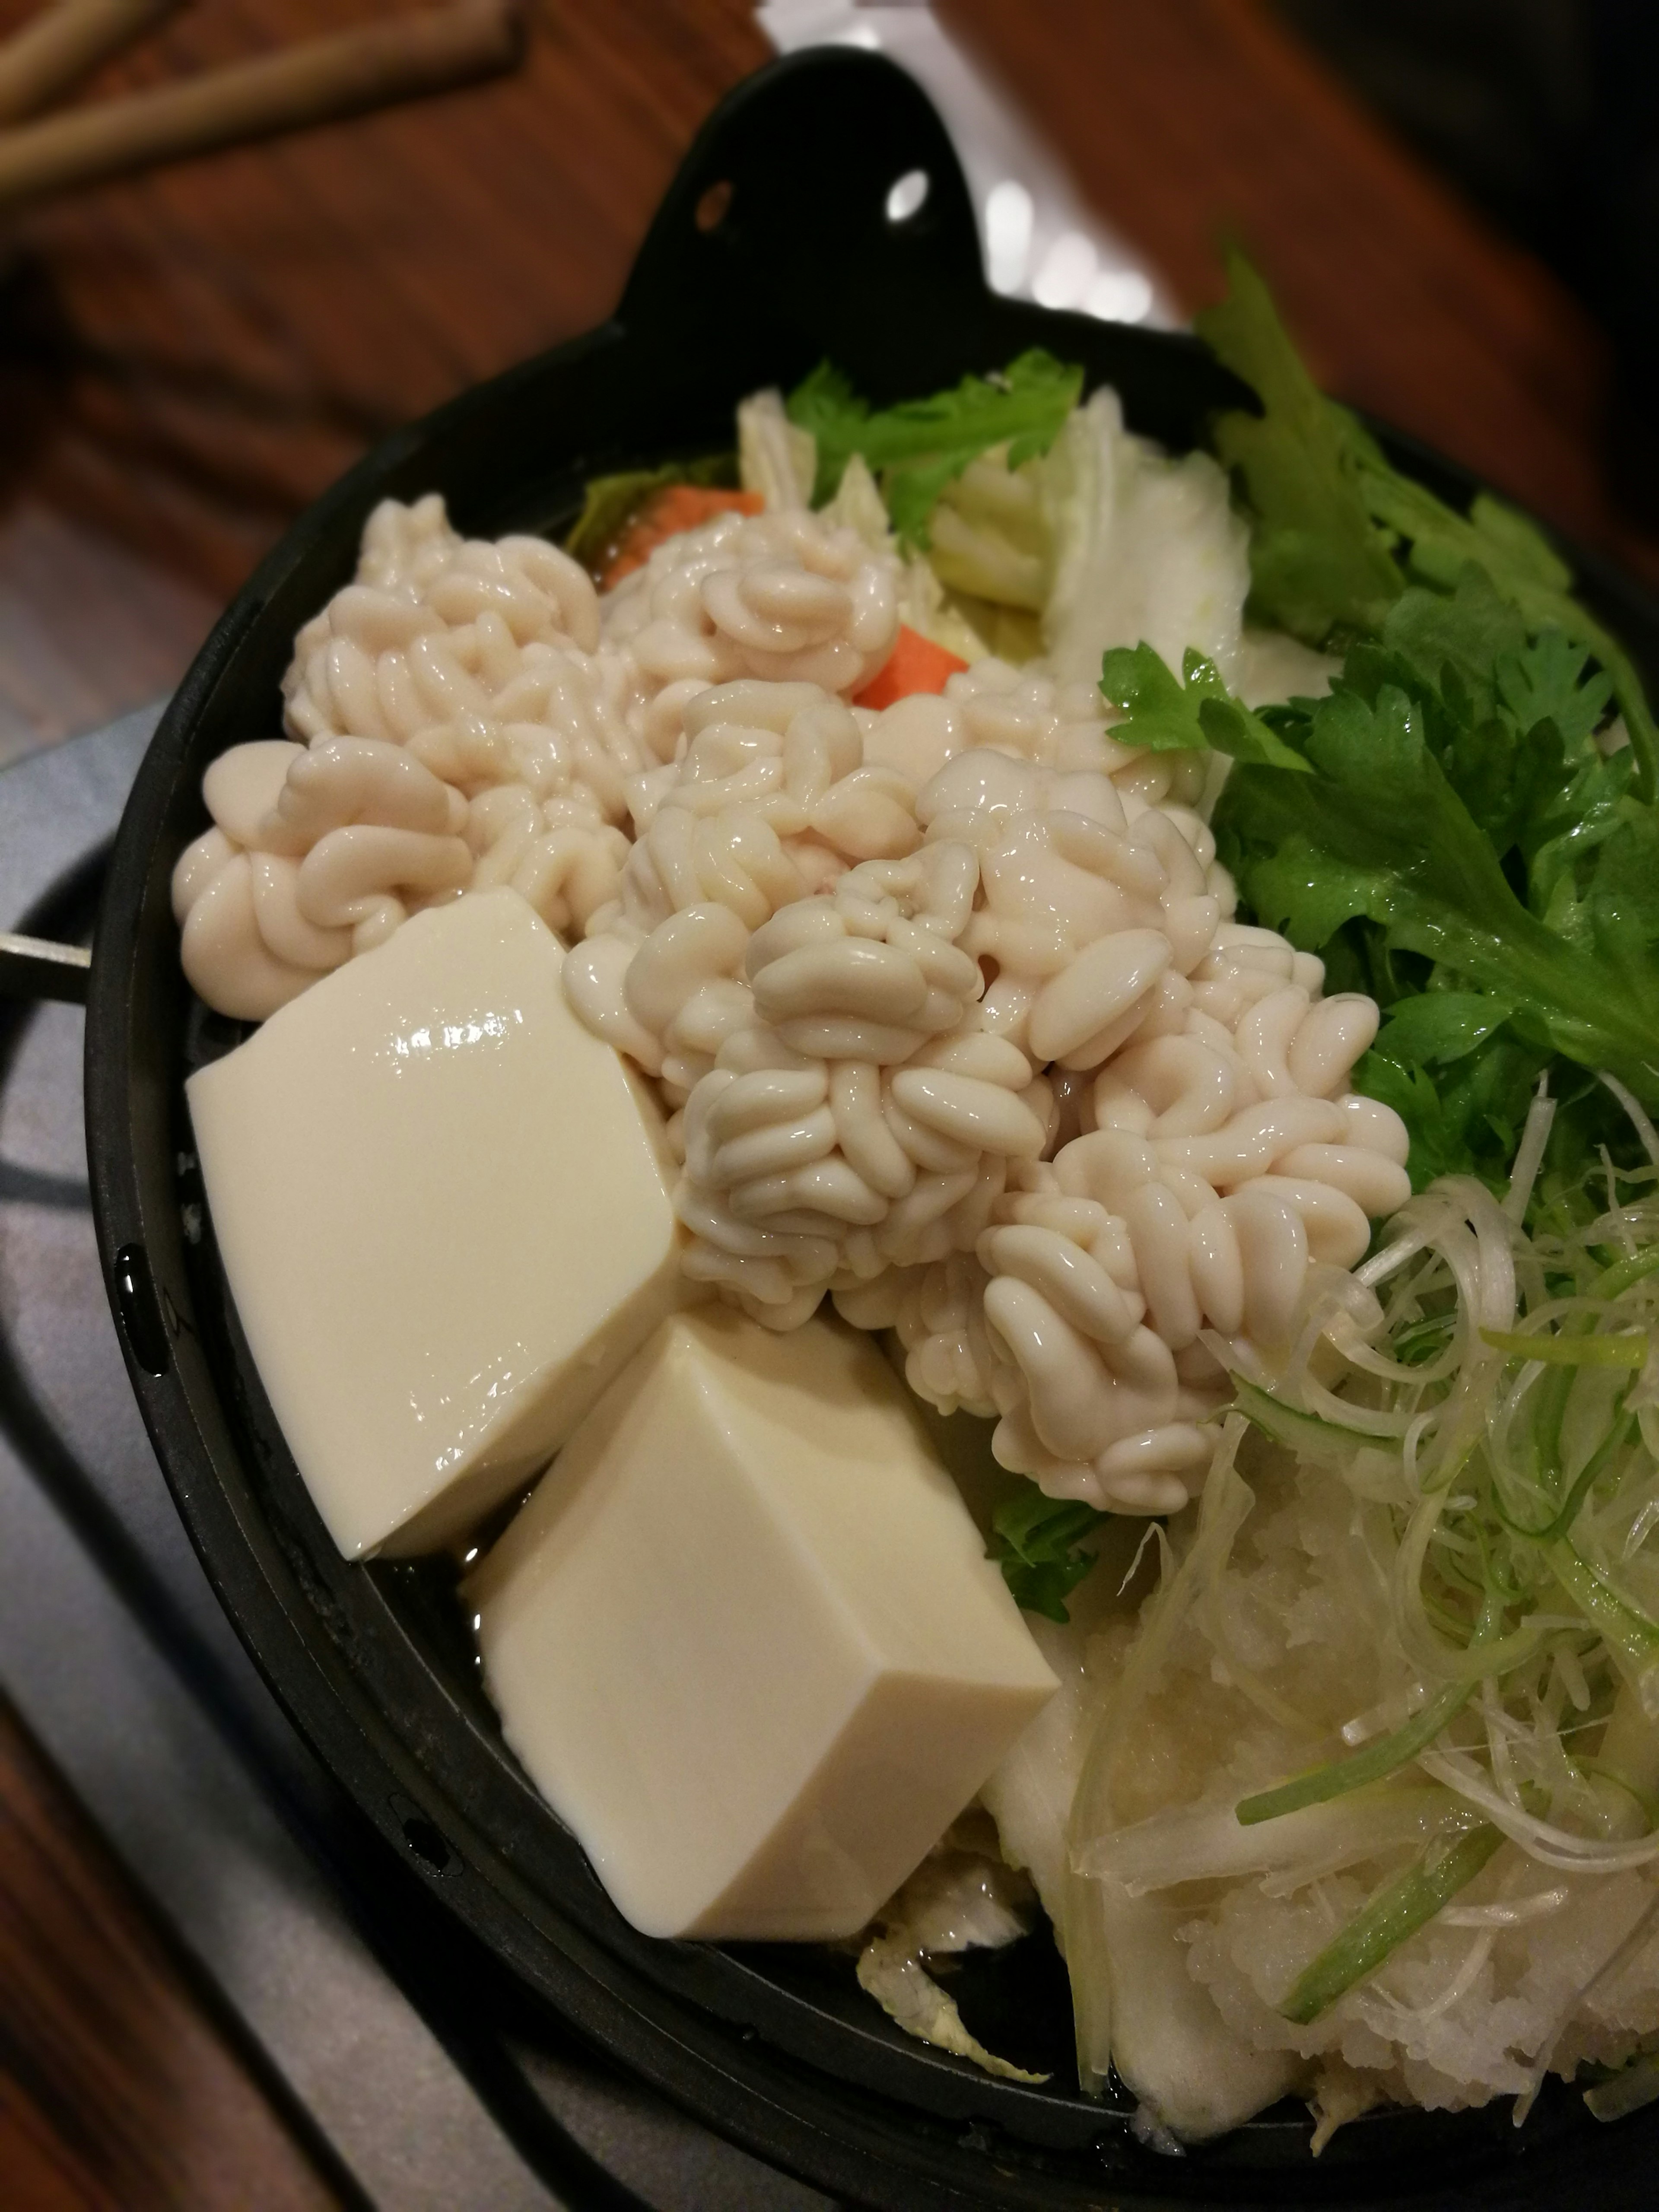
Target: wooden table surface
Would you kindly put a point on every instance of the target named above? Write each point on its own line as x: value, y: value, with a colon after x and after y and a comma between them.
x: 185, y: 361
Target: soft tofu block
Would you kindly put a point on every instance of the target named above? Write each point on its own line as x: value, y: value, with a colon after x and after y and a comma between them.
x: 745, y: 1637
x: 444, y: 1210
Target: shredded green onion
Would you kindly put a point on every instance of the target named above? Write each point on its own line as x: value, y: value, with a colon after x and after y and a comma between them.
x: 1631, y: 1637
x: 1589, y: 1475
x: 1383, y: 1926
x: 1309, y: 1432
x: 1570, y: 1351
x: 1374, y: 1763
x: 1491, y: 1414
x: 1625, y: 1274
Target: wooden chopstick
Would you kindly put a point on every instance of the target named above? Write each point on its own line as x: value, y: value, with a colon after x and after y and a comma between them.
x: 317, y: 82
x: 65, y: 42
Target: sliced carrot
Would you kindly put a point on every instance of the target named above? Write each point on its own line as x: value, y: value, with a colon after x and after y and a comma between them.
x: 916, y: 664
x: 665, y: 514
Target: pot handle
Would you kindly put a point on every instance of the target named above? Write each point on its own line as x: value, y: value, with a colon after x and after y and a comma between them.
x: 783, y: 224
x: 39, y: 967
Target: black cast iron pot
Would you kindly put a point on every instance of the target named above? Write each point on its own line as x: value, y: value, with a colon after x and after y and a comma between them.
x: 794, y: 259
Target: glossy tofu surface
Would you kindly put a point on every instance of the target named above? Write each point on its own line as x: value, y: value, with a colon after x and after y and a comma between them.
x: 443, y: 1209
x: 745, y: 1637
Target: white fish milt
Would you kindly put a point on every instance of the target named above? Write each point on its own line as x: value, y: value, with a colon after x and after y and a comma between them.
x: 946, y: 1002
x: 469, y: 714
x: 978, y: 1051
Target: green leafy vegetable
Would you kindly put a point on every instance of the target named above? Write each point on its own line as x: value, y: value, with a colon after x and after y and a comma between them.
x: 1339, y: 531
x: 1522, y: 569
x: 610, y: 503
x: 1167, y: 716
x: 1395, y: 1912
x: 917, y: 448
x: 1379, y: 831
x: 1445, y: 829
x: 1439, y: 1027
x: 1319, y: 563
x: 1039, y: 1545
x: 1467, y: 1121
x: 1456, y: 829
x: 1491, y: 880
x: 1521, y: 877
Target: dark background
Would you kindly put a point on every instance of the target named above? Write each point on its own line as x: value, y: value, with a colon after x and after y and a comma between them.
x: 1544, y: 113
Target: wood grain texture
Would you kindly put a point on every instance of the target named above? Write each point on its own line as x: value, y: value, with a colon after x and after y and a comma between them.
x: 1189, y: 122
x: 117, y: 2094
x: 299, y: 84
x: 221, y: 340
x: 186, y: 360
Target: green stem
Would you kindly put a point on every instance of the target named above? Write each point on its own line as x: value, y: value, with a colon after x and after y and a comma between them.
x: 1588, y: 1475
x: 1554, y: 1389
x: 1632, y: 705
x: 1623, y: 1350
x: 1309, y: 1432
x: 1380, y: 1758
x: 1373, y: 1764
x: 1629, y: 1635
x: 1385, y: 1922
x: 1624, y: 1274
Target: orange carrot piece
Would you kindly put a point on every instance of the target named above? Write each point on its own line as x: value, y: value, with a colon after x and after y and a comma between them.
x: 665, y: 514
x: 916, y: 664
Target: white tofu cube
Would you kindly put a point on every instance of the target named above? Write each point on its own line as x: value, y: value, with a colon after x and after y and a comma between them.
x: 444, y: 1210
x: 745, y: 1637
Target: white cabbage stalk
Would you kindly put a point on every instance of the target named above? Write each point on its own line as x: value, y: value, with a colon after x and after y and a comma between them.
x: 963, y: 1896
x: 776, y: 457
x: 1206, y: 1842
x: 893, y: 1974
x: 1273, y: 666
x: 1144, y: 547
x: 991, y: 536
x: 924, y: 605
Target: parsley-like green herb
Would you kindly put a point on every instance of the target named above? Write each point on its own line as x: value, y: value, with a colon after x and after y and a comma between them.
x: 1454, y: 829
x: 1493, y: 880
x: 1039, y: 1545
x: 918, y: 447
x: 1167, y: 716
x: 1445, y: 830
x: 1340, y: 532
x: 1319, y: 563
